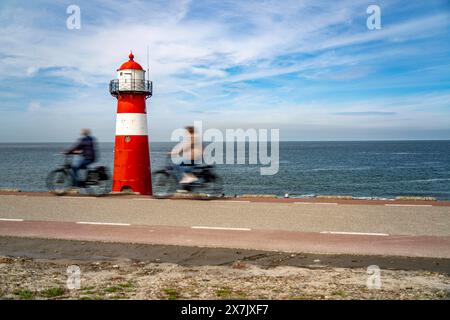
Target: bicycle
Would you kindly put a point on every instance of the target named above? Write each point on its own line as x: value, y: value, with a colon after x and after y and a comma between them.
x: 166, y: 181
x: 97, y: 181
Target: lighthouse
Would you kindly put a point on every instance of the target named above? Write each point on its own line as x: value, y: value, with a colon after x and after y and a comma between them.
x: 131, y: 149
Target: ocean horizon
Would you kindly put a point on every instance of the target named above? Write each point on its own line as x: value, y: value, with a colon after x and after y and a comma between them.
x: 364, y: 168
x: 162, y: 141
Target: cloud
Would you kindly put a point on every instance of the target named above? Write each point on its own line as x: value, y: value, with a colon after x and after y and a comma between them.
x: 210, y: 73
x: 365, y: 113
x: 267, y: 62
x: 34, y: 107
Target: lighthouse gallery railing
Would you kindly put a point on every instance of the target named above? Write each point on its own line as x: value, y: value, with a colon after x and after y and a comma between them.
x: 142, y: 86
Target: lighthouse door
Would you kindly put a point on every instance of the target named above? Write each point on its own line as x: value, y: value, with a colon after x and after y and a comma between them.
x: 128, y: 81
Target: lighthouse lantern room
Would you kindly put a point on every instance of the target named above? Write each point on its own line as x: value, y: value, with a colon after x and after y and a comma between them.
x: 131, y: 149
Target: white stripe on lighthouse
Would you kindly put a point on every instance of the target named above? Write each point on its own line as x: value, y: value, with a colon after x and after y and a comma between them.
x: 131, y: 124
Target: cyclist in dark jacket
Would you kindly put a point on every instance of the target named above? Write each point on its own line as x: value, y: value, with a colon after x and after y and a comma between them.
x: 86, y: 148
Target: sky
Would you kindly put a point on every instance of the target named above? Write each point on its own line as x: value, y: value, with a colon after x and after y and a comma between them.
x: 312, y: 69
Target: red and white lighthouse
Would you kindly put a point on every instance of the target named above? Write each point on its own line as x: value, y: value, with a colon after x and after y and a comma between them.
x: 131, y: 150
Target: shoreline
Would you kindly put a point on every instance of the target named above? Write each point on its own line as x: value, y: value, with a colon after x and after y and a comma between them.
x: 338, y: 199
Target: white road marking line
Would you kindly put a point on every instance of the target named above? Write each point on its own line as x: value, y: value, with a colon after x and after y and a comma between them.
x: 221, y: 228
x: 17, y: 220
x: 356, y: 233
x: 233, y: 201
x: 104, y: 223
x: 408, y: 205
x: 332, y: 203
x: 69, y: 197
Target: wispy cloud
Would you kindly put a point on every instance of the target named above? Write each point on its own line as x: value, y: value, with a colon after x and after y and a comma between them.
x: 365, y: 113
x: 271, y: 62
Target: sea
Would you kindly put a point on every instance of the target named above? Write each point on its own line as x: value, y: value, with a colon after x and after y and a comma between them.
x: 365, y: 169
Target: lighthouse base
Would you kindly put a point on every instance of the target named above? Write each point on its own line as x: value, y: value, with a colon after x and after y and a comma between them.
x: 132, y: 165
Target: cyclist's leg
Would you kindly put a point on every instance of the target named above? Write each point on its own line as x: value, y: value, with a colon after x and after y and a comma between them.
x: 80, y: 166
x: 188, y: 176
x: 74, y: 173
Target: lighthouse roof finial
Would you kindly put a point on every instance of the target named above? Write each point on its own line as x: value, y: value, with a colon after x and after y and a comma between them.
x: 131, y: 64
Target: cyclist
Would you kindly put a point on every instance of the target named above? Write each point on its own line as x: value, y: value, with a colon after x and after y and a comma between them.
x: 190, y: 150
x: 86, y: 147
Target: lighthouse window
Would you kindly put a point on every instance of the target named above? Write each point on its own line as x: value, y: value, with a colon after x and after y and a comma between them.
x: 121, y: 73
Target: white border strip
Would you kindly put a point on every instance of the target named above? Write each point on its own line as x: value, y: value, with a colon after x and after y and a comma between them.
x: 104, y: 223
x: 356, y: 233
x: 131, y: 124
x: 221, y: 228
x: 13, y: 220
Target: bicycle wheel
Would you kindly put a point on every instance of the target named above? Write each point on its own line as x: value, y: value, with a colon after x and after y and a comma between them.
x: 214, y: 188
x: 99, y: 188
x: 59, y: 182
x: 164, y: 184
x: 97, y: 182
